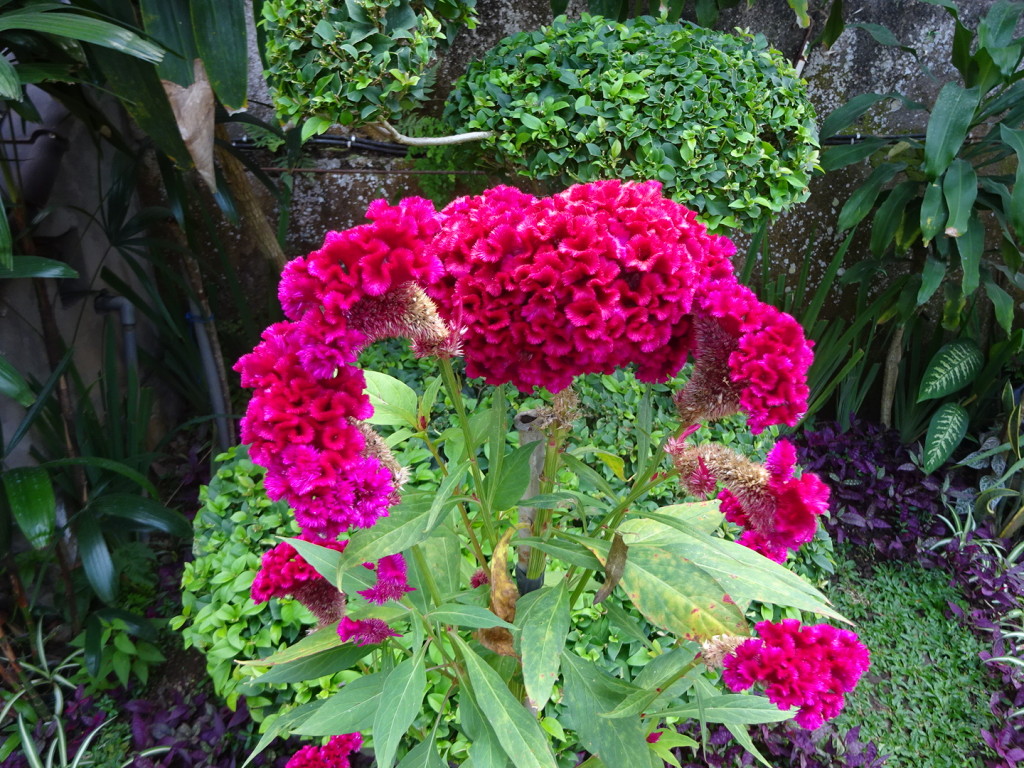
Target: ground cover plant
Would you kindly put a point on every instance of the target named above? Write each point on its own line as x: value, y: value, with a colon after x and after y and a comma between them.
x: 438, y: 653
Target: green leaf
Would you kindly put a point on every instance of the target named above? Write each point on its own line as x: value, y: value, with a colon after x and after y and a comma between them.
x: 834, y: 25
x: 310, y: 645
x: 890, y: 215
x: 316, y: 665
x: 952, y: 368
x: 222, y: 41
x: 401, y: 698
x: 351, y: 709
x: 996, y: 35
x: 13, y: 384
x: 960, y: 188
x: 733, y: 709
x: 96, y: 560
x: 884, y: 36
x: 945, y: 431
x: 484, y: 751
x: 748, y: 575
x: 675, y: 594
x: 851, y: 112
x: 31, y: 500
x: 138, y: 513
x: 933, y: 214
x: 841, y: 155
x: 931, y: 278
x: 515, y: 729
x: 78, y: 26
x: 971, y: 246
x: 442, y: 553
x: 467, y: 616
x: 589, y: 691
x: 23, y: 267
x: 405, y: 525
x: 544, y: 631
x: 6, y: 243
x: 168, y: 23
x: 394, y: 402
x: 1014, y: 138
x: 442, y: 499
x: 423, y: 755
x: 514, y: 478
x: 800, y: 9
x: 863, y: 199
x: 947, y: 127
x: 10, y: 83
x: 1002, y: 303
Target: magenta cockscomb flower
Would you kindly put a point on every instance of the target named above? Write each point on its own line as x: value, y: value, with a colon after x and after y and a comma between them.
x: 334, y: 754
x: 750, y: 357
x: 392, y: 583
x: 596, y: 278
x: 779, y: 510
x: 808, y: 667
x: 284, y: 573
x: 364, y: 631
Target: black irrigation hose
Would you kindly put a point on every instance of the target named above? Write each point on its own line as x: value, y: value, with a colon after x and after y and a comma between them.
x: 857, y: 138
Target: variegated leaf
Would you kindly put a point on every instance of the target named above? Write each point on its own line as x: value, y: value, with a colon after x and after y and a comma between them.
x: 953, y: 368
x: 947, y: 428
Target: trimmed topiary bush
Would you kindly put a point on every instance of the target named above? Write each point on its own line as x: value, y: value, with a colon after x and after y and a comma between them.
x: 723, y: 121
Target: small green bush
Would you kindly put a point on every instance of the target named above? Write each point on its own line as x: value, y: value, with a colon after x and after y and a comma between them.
x: 235, y: 525
x: 723, y: 121
x: 925, y: 696
x: 360, y: 61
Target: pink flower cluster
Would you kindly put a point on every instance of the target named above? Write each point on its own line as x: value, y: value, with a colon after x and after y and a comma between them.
x: 782, y: 514
x: 596, y: 278
x: 810, y: 667
x: 334, y: 754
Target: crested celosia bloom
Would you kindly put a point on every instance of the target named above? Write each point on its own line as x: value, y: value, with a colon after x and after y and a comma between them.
x: 364, y: 631
x: 334, y: 754
x: 283, y: 573
x: 779, y: 510
x: 392, y: 583
x: 596, y: 278
x: 750, y: 357
x: 809, y: 667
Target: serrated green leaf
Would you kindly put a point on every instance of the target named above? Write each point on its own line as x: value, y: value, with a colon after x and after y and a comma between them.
x: 401, y: 697
x: 515, y: 729
x: 952, y: 368
x: 945, y: 431
x: 543, y: 636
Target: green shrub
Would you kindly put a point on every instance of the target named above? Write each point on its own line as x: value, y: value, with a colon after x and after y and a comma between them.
x: 722, y: 121
x: 925, y: 696
x: 361, y: 61
x: 235, y: 525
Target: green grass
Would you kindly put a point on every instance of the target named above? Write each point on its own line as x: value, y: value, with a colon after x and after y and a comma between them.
x: 925, y: 697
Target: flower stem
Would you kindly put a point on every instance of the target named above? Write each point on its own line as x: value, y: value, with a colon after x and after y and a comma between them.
x: 428, y: 575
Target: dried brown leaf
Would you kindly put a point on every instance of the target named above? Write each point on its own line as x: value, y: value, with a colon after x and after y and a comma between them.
x: 193, y: 109
x: 614, y: 567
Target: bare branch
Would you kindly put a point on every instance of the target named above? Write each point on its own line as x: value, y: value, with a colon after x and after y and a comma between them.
x: 435, y: 141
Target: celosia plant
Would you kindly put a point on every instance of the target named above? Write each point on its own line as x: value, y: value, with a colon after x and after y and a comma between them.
x: 533, y: 292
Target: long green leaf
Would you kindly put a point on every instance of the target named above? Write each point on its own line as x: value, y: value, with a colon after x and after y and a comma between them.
x: 141, y: 514
x: 6, y: 242
x: 221, y: 37
x: 841, y: 155
x: 863, y: 199
x: 544, y: 631
x: 851, y: 112
x: 1014, y: 138
x: 931, y: 278
x: 23, y: 267
x: 78, y: 26
x: 933, y: 213
x: 516, y: 730
x: 315, y: 666
x: 168, y: 22
x: 947, y: 127
x: 1002, y: 303
x: 945, y: 431
x: 315, y: 643
x: 30, y: 496
x: 514, y: 478
x: 401, y: 698
x: 890, y: 215
x: 952, y: 368
x: 13, y: 384
x: 734, y: 709
x: 405, y: 525
x: 996, y: 35
x: 10, y: 82
x: 473, y: 616
x: 960, y: 188
x: 884, y: 36
x: 351, y: 709
x: 394, y: 402
x: 590, y: 691
x: 423, y: 755
x: 442, y: 499
x: 98, y: 462
x: 971, y: 246
x: 96, y: 560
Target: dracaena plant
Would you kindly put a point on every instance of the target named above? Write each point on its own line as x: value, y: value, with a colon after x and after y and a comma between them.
x: 446, y: 654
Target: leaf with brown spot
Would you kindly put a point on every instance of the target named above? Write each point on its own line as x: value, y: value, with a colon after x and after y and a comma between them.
x: 614, y: 567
